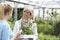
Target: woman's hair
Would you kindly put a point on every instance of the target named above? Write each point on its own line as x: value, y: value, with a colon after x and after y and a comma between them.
x: 30, y: 9
x: 4, y: 9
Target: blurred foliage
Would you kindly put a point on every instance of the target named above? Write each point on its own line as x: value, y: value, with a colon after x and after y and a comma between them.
x: 57, y: 28
x: 48, y: 29
x: 20, y: 13
x: 44, y: 26
x: 42, y: 36
x: 11, y: 24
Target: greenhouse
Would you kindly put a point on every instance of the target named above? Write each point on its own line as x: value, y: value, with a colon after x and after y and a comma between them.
x: 46, y: 15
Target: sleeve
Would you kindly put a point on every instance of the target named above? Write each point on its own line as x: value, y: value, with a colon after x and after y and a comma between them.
x: 6, y: 33
x: 16, y: 27
x: 35, y: 30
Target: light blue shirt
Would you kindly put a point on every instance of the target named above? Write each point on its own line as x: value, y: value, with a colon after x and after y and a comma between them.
x: 5, y: 32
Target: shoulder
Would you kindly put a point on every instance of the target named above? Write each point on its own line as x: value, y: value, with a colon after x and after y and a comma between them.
x: 32, y: 21
x: 4, y: 25
x: 18, y: 21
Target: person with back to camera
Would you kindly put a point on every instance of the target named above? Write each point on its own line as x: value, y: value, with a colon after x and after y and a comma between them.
x: 5, y: 31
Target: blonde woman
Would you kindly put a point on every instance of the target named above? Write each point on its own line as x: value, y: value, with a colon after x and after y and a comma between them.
x: 26, y: 20
x: 5, y: 14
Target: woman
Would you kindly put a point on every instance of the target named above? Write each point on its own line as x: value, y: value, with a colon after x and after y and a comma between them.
x: 5, y: 31
x: 26, y: 20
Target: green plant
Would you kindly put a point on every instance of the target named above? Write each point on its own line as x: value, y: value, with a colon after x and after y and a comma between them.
x: 20, y: 13
x: 57, y: 28
x: 11, y: 24
x: 44, y: 26
x: 26, y: 29
x: 42, y: 36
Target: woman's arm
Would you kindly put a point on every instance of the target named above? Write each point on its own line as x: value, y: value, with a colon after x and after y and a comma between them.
x: 16, y: 27
x: 16, y: 36
x: 16, y: 32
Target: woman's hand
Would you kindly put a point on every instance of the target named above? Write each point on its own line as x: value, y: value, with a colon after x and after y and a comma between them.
x: 16, y: 36
x: 18, y: 33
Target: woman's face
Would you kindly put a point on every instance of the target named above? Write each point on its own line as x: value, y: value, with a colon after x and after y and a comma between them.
x: 27, y: 13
